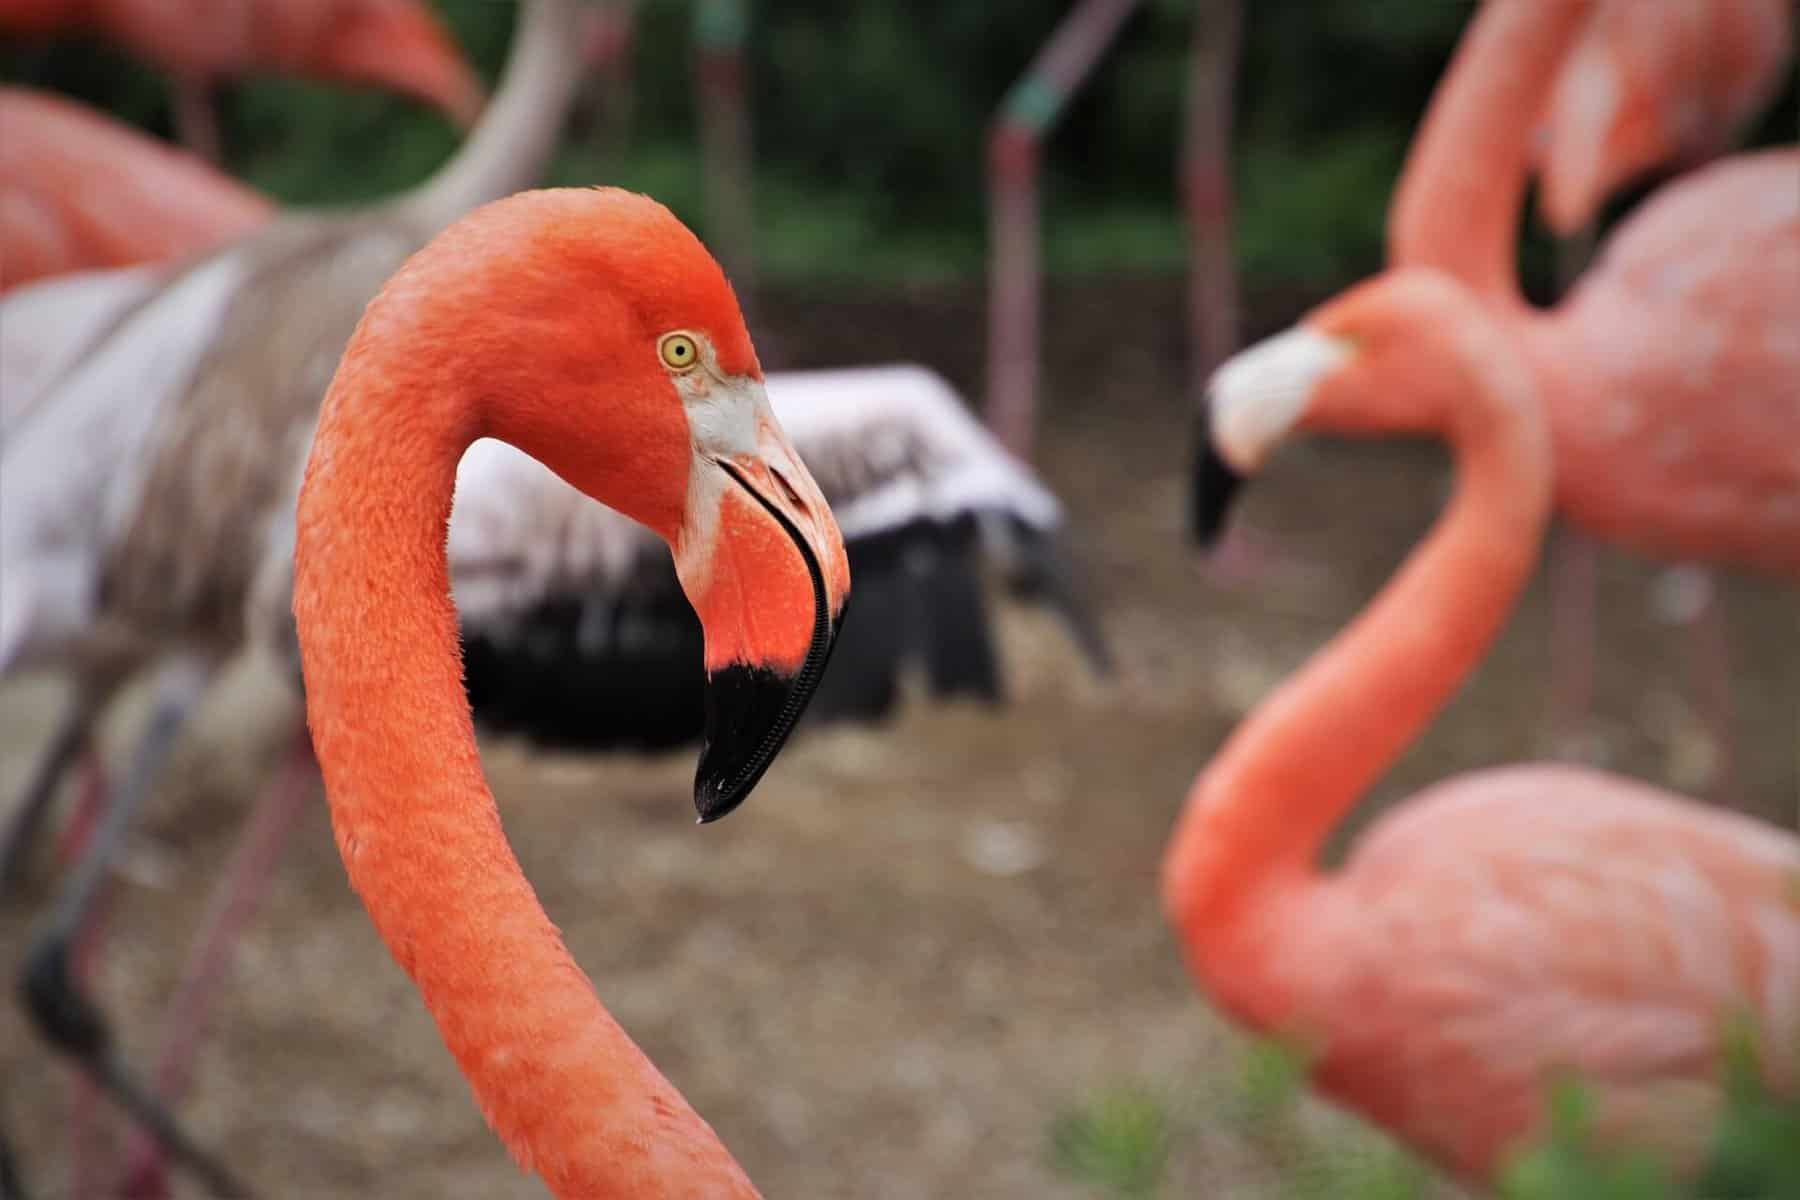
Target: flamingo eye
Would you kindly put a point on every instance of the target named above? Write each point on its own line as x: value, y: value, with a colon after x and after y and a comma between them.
x: 679, y: 351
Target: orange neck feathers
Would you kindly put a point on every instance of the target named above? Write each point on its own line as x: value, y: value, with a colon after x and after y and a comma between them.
x: 561, y: 1083
x: 1458, y: 201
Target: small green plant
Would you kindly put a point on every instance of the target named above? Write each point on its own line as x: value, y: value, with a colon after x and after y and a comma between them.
x: 1118, y: 1144
x: 1754, y: 1155
x: 1567, y: 1165
x: 1269, y: 1080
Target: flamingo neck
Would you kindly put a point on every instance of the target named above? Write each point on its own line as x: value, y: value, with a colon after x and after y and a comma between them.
x: 512, y: 143
x: 1458, y: 201
x: 561, y: 1083
x: 1260, y: 812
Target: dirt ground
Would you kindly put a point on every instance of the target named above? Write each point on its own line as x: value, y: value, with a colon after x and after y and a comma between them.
x: 916, y: 945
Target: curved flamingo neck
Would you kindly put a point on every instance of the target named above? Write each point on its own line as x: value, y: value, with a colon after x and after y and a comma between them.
x: 1259, y: 813
x: 558, y: 1079
x: 1458, y: 202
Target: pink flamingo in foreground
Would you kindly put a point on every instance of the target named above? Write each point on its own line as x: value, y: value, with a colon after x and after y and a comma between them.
x: 1507, y: 924
x: 641, y: 389
x: 80, y: 191
x: 398, y: 44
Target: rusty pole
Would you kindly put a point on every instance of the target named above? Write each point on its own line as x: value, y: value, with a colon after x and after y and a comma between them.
x: 1015, y: 271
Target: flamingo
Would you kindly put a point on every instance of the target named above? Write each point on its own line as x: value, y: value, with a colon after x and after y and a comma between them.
x: 1650, y: 82
x: 1504, y: 925
x: 1644, y: 82
x: 80, y: 191
x: 177, y: 433
x: 641, y: 388
x: 398, y: 44
x: 1713, y: 439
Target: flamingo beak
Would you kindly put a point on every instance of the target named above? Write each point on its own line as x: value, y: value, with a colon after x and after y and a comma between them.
x: 769, y: 580
x: 1215, y: 483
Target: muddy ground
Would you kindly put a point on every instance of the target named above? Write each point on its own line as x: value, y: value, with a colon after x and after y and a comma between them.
x: 917, y: 945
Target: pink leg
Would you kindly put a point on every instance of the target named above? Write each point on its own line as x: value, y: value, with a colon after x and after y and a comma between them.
x: 1710, y: 665
x: 233, y: 904
x: 1243, y: 557
x: 1573, y: 586
x: 84, y: 1126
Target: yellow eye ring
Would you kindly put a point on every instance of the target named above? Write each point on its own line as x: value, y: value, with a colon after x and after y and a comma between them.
x: 679, y: 351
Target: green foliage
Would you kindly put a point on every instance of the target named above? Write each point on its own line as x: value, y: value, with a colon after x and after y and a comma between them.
x: 1118, y: 1144
x: 1270, y: 1077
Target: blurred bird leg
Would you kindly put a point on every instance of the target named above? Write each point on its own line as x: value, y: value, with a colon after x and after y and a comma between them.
x: 11, y: 1187
x: 1689, y: 596
x: 1573, y: 584
x: 84, y: 1096
x: 72, y: 737
x: 196, y: 117
x: 51, y: 990
x: 1041, y: 567
x: 233, y: 905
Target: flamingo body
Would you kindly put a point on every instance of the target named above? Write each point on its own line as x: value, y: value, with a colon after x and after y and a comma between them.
x: 397, y: 44
x: 1668, y: 371
x: 1650, y: 82
x: 1671, y: 374
x: 1505, y: 926
x: 79, y: 191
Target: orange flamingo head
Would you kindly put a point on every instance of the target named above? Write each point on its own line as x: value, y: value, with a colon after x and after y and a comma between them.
x: 1390, y: 355
x: 591, y: 329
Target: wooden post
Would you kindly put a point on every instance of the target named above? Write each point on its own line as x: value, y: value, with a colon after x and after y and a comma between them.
x: 1015, y: 269
x: 1205, y: 178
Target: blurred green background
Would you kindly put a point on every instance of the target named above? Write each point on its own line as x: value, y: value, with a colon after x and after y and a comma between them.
x: 869, y: 120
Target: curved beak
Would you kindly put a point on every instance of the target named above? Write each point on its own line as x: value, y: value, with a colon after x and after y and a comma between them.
x: 1214, y: 484
x: 763, y: 564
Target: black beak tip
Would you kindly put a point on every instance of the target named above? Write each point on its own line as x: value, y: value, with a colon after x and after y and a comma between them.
x: 749, y: 713
x: 1215, y: 484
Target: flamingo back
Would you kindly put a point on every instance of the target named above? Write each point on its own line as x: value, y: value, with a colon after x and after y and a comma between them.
x: 1672, y: 372
x: 1505, y: 926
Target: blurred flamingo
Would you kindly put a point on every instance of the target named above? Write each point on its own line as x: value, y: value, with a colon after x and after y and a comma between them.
x: 1629, y: 78
x: 1648, y: 83
x: 1505, y: 925
x: 80, y: 191
x: 1655, y: 82
x: 177, y: 425
x: 678, y: 436
x: 397, y: 44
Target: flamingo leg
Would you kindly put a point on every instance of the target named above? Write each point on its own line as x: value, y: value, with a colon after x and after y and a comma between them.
x: 83, y: 1153
x: 233, y: 905
x: 1711, y: 670
x: 11, y: 1186
x: 197, y: 117
x: 73, y: 736
x: 1574, y: 585
x: 53, y: 995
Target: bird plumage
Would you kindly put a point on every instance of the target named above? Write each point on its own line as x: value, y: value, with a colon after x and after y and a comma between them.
x: 80, y: 191
x: 564, y: 605
x: 1503, y: 926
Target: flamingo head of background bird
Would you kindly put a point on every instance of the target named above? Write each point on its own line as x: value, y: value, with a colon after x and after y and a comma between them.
x: 1253, y: 401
